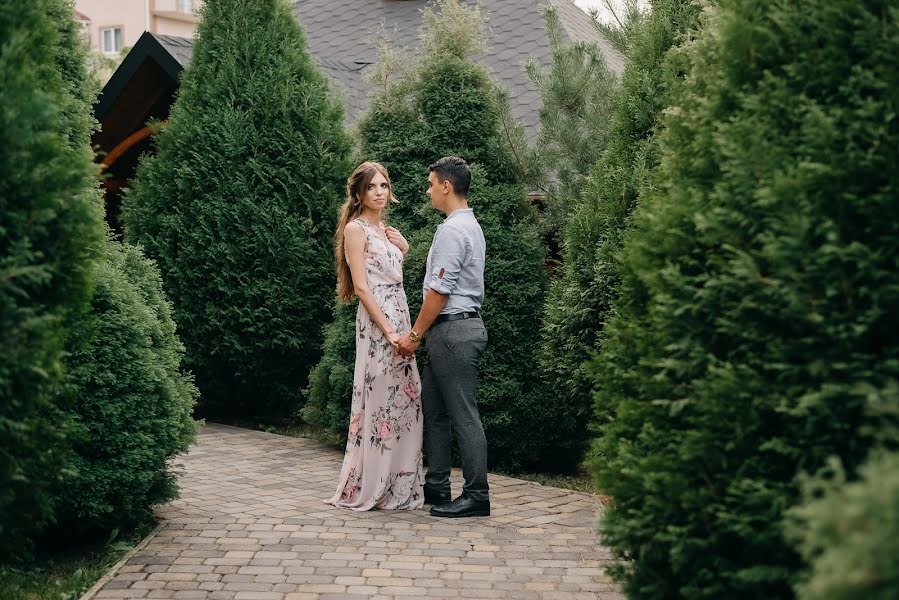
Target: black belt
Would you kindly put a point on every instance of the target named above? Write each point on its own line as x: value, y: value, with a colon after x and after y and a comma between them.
x: 457, y: 317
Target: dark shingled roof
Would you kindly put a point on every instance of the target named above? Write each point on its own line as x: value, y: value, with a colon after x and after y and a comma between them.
x: 180, y: 48
x: 342, y: 36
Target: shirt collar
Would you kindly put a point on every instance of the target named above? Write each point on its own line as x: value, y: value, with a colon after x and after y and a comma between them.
x: 457, y: 212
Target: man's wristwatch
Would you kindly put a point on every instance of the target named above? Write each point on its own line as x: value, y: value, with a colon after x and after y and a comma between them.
x: 414, y: 336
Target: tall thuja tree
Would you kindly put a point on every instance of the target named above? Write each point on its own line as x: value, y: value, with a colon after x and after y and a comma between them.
x: 757, y: 319
x: 581, y: 299
x: 125, y: 391
x: 52, y: 226
x: 238, y: 207
x: 447, y: 104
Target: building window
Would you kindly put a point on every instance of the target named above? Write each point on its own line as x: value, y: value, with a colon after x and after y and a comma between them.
x: 186, y: 6
x: 111, y: 40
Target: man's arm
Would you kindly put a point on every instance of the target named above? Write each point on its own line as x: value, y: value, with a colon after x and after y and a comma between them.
x: 433, y: 304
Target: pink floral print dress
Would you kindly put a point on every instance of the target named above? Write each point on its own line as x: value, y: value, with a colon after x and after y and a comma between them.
x: 382, y: 467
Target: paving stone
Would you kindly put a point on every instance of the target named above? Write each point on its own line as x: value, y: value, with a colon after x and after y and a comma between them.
x: 251, y: 525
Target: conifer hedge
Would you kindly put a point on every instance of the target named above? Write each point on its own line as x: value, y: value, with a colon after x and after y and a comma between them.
x: 580, y: 300
x: 446, y: 104
x: 91, y: 376
x: 238, y: 207
x: 758, y: 304
x: 132, y: 402
x: 848, y: 534
x: 50, y: 227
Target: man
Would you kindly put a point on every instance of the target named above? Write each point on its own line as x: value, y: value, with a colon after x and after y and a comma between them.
x: 453, y: 292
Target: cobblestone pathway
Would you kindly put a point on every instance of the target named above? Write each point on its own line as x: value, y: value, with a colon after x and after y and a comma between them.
x: 251, y: 525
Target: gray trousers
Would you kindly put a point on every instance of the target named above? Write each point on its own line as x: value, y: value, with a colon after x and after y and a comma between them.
x: 450, y: 406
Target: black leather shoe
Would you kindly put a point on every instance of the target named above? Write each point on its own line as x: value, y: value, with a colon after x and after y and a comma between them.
x: 463, y: 506
x: 437, y: 498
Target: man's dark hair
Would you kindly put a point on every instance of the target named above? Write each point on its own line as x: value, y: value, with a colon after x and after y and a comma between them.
x: 456, y: 170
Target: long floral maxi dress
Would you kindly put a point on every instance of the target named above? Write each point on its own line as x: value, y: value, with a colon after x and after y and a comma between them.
x: 382, y: 467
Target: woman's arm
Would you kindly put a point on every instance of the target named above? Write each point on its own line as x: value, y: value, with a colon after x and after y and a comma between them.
x: 354, y: 248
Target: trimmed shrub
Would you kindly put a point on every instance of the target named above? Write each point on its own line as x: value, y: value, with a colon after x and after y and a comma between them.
x: 133, y: 404
x: 51, y: 225
x: 447, y: 104
x: 758, y: 303
x: 849, y: 534
x: 238, y: 207
x: 331, y: 380
x: 580, y: 300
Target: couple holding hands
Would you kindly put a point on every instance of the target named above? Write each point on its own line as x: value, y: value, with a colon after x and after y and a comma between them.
x: 391, y: 405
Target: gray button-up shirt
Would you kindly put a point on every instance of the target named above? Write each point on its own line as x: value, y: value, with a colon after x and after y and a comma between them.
x: 456, y: 262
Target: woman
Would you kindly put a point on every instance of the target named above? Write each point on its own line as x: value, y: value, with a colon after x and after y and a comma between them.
x: 382, y: 467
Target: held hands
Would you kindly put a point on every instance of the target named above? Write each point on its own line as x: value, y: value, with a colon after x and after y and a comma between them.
x: 396, y: 238
x: 394, y: 339
x: 406, y: 347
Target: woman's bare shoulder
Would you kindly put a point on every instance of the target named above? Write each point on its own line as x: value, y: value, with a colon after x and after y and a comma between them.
x: 353, y: 228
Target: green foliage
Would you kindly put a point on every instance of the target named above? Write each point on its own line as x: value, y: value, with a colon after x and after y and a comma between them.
x: 67, y: 572
x: 577, y: 91
x: 580, y: 300
x: 90, y: 358
x: 757, y: 308
x: 626, y: 14
x: 238, y: 207
x: 848, y: 530
x: 849, y: 533
x: 447, y: 104
x: 331, y: 381
x: 51, y: 225
x: 132, y: 402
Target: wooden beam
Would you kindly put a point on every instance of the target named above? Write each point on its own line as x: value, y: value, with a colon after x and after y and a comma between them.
x: 124, y: 146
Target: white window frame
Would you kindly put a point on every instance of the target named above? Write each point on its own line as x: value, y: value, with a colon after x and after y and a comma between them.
x: 116, y: 39
x: 186, y: 6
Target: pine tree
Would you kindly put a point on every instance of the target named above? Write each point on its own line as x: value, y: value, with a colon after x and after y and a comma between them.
x: 52, y: 228
x: 757, y: 318
x: 581, y: 299
x: 447, y: 104
x: 238, y: 207
x: 576, y: 90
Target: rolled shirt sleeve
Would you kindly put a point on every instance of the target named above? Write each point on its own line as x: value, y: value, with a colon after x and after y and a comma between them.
x: 449, y: 253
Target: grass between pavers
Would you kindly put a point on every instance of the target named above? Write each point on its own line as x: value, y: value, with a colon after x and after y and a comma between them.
x: 67, y: 573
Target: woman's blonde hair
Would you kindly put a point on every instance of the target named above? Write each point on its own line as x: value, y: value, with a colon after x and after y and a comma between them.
x: 356, y: 186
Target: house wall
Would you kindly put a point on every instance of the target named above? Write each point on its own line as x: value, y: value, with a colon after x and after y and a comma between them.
x: 171, y: 20
x: 135, y: 17
x: 130, y: 15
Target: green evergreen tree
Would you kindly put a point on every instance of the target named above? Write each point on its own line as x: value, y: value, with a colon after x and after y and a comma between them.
x: 238, y: 207
x: 625, y: 15
x: 133, y: 403
x: 51, y: 231
x: 758, y: 305
x: 581, y: 298
x: 576, y: 89
x: 447, y: 104
x: 849, y: 534
x: 125, y: 392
